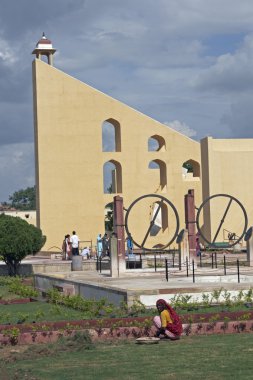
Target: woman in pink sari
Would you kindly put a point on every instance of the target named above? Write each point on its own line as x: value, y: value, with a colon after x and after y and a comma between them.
x: 168, y: 323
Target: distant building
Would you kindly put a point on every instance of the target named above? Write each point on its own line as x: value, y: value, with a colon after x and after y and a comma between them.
x: 29, y: 216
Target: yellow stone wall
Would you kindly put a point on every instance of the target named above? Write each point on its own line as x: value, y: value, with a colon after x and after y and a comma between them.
x: 69, y: 159
x: 226, y: 168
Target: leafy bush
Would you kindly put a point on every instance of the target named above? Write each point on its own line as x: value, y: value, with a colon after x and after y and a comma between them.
x: 17, y: 240
x: 14, y: 285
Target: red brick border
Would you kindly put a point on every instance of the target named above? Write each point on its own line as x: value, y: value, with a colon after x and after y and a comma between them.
x: 104, y: 334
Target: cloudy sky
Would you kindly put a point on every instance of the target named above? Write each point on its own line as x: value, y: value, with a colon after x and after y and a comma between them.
x: 186, y: 63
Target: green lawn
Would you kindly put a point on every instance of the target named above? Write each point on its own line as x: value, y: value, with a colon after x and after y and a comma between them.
x: 216, y: 357
x: 6, y: 295
x: 38, y: 312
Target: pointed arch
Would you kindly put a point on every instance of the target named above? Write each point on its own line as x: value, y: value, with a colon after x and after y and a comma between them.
x: 156, y: 143
x: 112, y: 176
x: 191, y: 169
x: 111, y: 136
x: 161, y: 166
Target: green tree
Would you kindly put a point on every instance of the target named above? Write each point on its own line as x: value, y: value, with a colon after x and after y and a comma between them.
x: 17, y: 240
x: 109, y: 217
x: 188, y: 166
x: 24, y: 199
x: 109, y: 189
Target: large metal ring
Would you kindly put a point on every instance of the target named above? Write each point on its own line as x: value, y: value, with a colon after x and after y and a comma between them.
x: 213, y: 244
x: 142, y: 246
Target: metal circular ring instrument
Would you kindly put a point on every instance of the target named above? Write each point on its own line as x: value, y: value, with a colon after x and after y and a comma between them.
x: 237, y: 238
x: 162, y: 200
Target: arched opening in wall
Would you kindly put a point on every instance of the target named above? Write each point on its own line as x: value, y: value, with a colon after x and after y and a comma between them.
x: 161, y: 219
x: 111, y: 136
x: 191, y: 170
x: 160, y: 167
x: 109, y: 217
x: 112, y: 173
x: 156, y: 143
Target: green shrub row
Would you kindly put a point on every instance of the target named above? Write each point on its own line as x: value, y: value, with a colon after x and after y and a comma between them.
x: 14, y: 285
x: 94, y: 308
x: 219, y: 296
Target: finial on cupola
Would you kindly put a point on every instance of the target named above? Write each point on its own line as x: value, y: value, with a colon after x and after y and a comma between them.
x: 44, y: 47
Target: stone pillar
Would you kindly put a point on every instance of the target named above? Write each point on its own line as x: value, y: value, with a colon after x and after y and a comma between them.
x: 190, y: 221
x: 114, y: 268
x: 249, y: 240
x: 119, y: 230
x: 183, y: 247
x: 77, y: 263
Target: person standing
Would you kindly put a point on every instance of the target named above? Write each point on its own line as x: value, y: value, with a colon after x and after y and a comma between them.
x: 105, y: 244
x: 129, y: 241
x: 74, y: 240
x: 99, y: 245
x: 66, y: 248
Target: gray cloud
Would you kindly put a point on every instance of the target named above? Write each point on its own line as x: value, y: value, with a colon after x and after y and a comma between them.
x: 16, y: 167
x: 239, y: 117
x: 231, y: 73
x: 181, y: 127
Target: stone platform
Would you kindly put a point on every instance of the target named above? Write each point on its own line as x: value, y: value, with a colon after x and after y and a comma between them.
x: 146, y: 285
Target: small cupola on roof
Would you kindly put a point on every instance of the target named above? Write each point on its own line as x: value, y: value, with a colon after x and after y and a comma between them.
x: 44, y: 47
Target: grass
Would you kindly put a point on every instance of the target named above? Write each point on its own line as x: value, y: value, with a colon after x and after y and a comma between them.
x: 212, y: 357
x: 6, y: 295
x: 38, y: 312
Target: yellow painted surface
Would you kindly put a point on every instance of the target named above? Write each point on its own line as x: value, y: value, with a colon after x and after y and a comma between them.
x: 226, y: 168
x: 69, y: 159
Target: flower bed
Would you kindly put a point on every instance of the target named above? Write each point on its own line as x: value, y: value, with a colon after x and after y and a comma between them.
x: 14, y: 336
x: 140, y: 322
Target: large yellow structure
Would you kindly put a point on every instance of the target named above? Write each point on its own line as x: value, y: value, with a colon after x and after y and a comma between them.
x: 144, y: 156
x: 69, y: 119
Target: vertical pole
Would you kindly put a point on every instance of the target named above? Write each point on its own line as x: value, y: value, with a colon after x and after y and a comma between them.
x: 238, y: 270
x: 141, y: 260
x: 187, y: 271
x: 200, y: 259
x: 173, y: 259
x: 193, y: 271
x: 179, y: 260
x: 100, y: 264
x: 225, y: 266
x: 114, y: 267
x: 155, y: 261
x: 166, y: 270
x: 97, y: 263
x: 212, y: 260
x: 215, y: 258
x: 189, y: 203
x: 119, y: 230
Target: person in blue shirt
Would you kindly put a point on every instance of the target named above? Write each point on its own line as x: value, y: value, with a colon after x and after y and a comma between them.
x: 99, y: 245
x: 130, y: 246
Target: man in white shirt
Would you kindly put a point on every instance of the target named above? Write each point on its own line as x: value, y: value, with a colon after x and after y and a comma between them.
x: 86, y: 252
x: 75, y: 243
